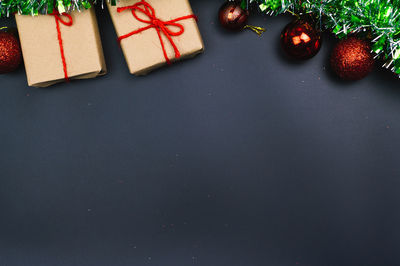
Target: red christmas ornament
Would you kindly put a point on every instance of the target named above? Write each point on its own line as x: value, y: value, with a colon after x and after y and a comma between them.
x: 232, y: 16
x: 300, y: 40
x: 10, y: 52
x: 351, y: 59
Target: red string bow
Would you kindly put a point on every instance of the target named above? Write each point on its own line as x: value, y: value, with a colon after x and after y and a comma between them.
x: 68, y: 22
x: 156, y: 23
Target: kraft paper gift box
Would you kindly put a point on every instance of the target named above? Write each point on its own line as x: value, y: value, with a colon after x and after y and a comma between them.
x: 143, y: 50
x: 41, y: 47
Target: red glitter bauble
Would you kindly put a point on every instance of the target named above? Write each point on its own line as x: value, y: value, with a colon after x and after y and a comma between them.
x: 10, y: 52
x: 232, y: 16
x: 300, y: 40
x: 351, y: 59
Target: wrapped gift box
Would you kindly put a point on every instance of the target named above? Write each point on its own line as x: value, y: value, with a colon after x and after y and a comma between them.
x: 143, y: 50
x: 42, y: 51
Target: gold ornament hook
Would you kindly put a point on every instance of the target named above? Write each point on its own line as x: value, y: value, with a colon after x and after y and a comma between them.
x: 258, y: 30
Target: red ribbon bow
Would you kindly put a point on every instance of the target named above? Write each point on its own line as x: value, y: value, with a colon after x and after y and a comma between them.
x: 156, y: 23
x: 58, y: 19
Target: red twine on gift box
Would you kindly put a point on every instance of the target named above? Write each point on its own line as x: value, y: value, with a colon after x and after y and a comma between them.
x: 58, y: 19
x: 156, y: 23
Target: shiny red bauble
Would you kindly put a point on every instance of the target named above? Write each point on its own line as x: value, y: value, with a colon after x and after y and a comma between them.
x: 10, y: 52
x: 300, y: 40
x: 232, y: 16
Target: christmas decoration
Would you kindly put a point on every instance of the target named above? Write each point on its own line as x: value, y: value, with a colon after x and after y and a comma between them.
x: 300, y: 40
x: 35, y: 7
x: 155, y: 32
x: 351, y: 59
x: 379, y: 17
x: 58, y: 47
x: 10, y: 52
x: 232, y: 16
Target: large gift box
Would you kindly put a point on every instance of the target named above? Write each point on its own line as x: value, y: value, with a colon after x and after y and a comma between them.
x: 58, y: 47
x: 155, y: 32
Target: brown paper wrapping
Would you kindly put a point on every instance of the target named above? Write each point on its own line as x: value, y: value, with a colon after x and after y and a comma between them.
x: 41, y: 50
x: 143, y: 52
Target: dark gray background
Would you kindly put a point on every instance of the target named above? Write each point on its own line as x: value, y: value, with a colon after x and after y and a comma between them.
x: 237, y: 157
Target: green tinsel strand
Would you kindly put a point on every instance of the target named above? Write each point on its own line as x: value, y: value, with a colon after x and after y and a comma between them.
x: 35, y: 7
x: 380, y: 18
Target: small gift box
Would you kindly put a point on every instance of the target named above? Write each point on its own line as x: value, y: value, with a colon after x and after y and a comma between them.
x: 155, y: 32
x: 58, y: 47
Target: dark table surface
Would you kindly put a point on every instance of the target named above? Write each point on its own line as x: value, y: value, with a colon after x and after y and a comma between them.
x: 237, y: 157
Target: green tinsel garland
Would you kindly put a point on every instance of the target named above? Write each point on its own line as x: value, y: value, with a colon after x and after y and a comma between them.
x: 380, y: 18
x: 35, y: 7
